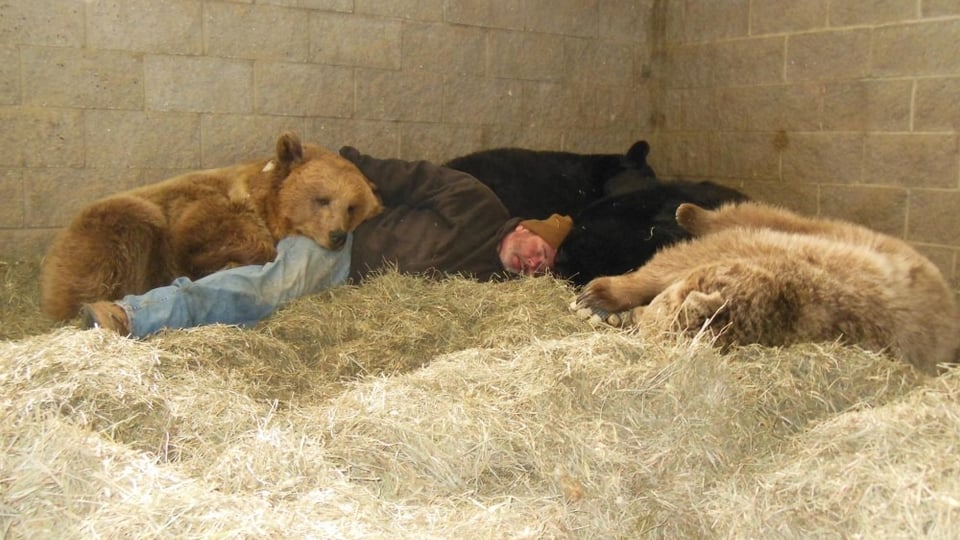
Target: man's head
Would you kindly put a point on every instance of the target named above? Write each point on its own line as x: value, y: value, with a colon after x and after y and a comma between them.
x: 531, y: 247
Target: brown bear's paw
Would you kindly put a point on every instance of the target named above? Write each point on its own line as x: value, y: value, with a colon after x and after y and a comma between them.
x: 605, y: 293
x: 597, y: 316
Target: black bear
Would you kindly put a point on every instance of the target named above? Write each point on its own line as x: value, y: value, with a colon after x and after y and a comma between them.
x: 620, y: 232
x: 535, y: 184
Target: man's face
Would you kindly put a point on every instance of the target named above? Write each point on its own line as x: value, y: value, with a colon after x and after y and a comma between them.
x: 523, y: 252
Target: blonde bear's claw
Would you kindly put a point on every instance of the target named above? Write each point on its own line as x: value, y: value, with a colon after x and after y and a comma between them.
x: 597, y: 316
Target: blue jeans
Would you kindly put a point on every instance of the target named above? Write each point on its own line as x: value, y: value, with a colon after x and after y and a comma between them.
x: 241, y: 295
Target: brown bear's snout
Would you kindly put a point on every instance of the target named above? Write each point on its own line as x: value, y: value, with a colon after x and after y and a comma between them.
x: 338, y: 238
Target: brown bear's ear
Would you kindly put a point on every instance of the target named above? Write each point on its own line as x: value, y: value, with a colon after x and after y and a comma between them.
x: 289, y: 150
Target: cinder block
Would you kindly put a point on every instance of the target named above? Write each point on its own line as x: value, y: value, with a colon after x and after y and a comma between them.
x: 882, y: 209
x: 198, y: 84
x: 378, y: 139
x: 879, y: 105
x: 55, y: 194
x: 475, y: 100
x: 775, y: 16
x: 913, y: 160
x: 421, y: 10
x: 437, y: 142
x: 524, y: 55
x: 592, y: 141
x: 41, y: 137
x: 11, y: 204
x: 601, y: 62
x: 689, y: 66
x: 625, y: 107
x: 748, y: 62
x: 327, y: 5
x: 559, y: 105
x: 928, y: 48
x: 9, y: 75
x: 428, y: 47
x: 937, y: 105
x: 306, y: 89
x: 83, y: 78
x: 567, y: 17
x: 26, y: 243
x: 743, y: 155
x: 489, y: 13
x: 801, y: 198
x: 168, y: 27
x: 699, y: 21
x: 391, y: 95
x: 42, y: 22
x: 794, y: 107
x: 128, y: 139
x: 859, y: 12
x: 839, y: 55
x: 256, y: 31
x: 833, y: 158
x: 626, y: 20
x: 933, y: 217
x: 229, y: 139
x: 937, y: 8
x: 535, y: 137
x: 354, y: 41
x: 684, y: 154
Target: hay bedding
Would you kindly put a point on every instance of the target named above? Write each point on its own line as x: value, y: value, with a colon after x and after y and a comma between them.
x: 415, y: 409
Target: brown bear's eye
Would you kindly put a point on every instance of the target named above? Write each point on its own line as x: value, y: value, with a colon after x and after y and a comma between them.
x: 321, y: 201
x: 351, y: 210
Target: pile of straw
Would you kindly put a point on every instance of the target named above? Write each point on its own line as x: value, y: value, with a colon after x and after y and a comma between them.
x: 410, y: 408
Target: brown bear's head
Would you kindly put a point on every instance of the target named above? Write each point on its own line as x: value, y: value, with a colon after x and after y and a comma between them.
x: 321, y: 195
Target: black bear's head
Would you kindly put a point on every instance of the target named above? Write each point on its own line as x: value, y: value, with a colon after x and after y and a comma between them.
x: 615, y: 235
x: 635, y: 173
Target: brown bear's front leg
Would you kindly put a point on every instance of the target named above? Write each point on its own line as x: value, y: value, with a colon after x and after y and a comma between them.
x: 620, y: 293
x: 210, y: 237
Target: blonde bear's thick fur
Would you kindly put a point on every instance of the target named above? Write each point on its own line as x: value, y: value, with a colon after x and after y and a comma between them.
x: 759, y: 274
x: 203, y: 221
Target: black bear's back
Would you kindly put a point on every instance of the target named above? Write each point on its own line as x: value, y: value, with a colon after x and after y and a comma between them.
x: 537, y: 183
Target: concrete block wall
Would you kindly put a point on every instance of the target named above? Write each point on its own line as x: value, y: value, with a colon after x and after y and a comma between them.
x: 844, y: 108
x: 101, y: 95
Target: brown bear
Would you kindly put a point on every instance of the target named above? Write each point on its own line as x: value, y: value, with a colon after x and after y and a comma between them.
x: 199, y: 222
x: 759, y: 274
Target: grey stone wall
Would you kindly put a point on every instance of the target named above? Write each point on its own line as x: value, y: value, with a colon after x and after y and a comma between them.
x: 102, y: 95
x: 844, y: 108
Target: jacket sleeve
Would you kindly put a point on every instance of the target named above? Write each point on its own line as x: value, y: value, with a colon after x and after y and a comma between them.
x: 436, y: 219
x: 453, y: 196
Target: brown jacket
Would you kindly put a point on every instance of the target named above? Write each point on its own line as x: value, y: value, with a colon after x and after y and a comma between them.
x: 435, y: 220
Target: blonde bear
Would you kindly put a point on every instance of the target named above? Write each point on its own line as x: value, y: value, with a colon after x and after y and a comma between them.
x: 759, y: 274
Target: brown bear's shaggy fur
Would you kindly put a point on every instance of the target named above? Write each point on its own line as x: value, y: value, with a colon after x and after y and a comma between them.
x: 758, y: 274
x: 203, y: 221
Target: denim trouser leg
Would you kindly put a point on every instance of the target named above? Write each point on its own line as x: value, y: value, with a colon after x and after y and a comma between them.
x: 242, y: 295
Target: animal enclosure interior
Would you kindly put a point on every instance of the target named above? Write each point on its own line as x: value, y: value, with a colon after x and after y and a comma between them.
x: 411, y: 408
x: 834, y: 108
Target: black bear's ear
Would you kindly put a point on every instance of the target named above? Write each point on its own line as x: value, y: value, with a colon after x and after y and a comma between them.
x: 289, y: 149
x: 636, y: 156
